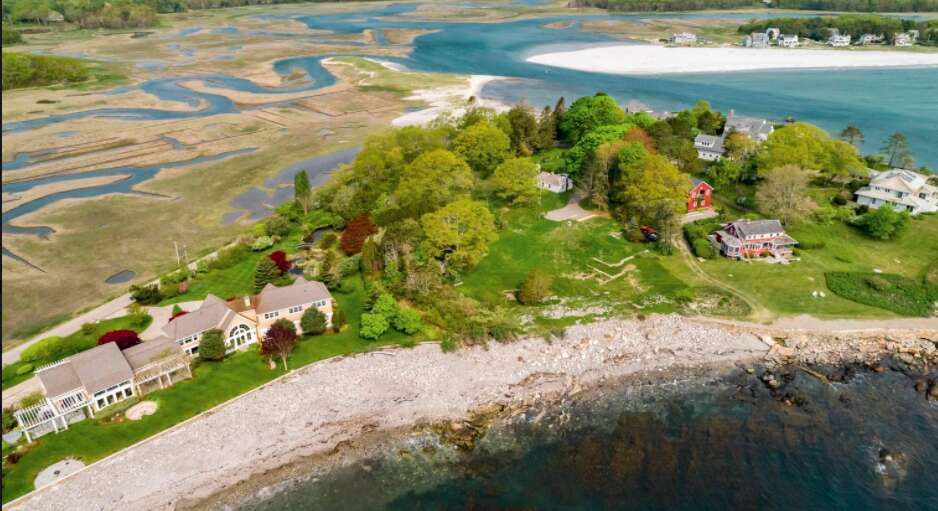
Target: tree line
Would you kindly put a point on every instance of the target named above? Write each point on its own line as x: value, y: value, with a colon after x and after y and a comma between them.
x: 818, y: 28
x: 814, y: 5
x: 26, y: 70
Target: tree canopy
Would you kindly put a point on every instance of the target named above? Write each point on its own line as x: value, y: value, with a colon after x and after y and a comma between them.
x: 515, y: 180
x: 483, y: 146
x: 433, y: 179
x: 588, y: 113
x: 460, y: 232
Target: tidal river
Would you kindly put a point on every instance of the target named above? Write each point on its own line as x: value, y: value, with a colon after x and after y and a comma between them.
x: 870, y: 443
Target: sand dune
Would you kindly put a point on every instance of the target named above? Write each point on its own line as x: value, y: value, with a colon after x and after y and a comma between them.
x: 647, y: 59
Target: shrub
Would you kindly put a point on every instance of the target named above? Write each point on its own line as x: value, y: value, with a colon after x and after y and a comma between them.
x: 385, y: 305
x: 883, y: 223
x: 886, y: 291
x: 228, y: 257
x: 262, y: 243
x: 32, y: 399
x: 338, y: 320
x: 685, y: 295
x: 280, y: 259
x: 27, y: 70
x: 349, y: 265
x: 123, y: 338
x: 862, y: 209
x: 24, y: 369
x: 703, y: 248
x: 373, y: 325
x: 11, y: 36
x: 277, y: 225
x: 146, y: 295
x: 535, y: 288
x: 356, y: 232
x: 328, y: 240
x: 44, y: 350
x: 408, y: 321
x: 313, y: 321
x: 212, y: 345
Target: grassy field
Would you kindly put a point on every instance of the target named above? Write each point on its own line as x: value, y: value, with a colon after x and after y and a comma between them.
x: 788, y: 290
x: 566, y: 251
x: 213, y: 383
x: 80, y: 341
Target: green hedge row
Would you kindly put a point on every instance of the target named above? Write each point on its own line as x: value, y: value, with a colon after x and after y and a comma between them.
x: 885, y: 290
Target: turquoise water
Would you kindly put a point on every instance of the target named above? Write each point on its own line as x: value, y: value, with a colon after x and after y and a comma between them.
x: 871, y: 444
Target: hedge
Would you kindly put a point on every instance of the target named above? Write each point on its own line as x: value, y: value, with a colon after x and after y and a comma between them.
x: 885, y: 290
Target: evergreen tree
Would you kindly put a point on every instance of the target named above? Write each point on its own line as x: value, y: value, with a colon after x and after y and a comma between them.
x: 559, y: 110
x: 301, y: 190
x: 852, y: 135
x: 265, y: 273
x: 897, y: 152
x: 212, y: 345
x: 546, y: 129
x: 313, y: 321
x: 371, y: 260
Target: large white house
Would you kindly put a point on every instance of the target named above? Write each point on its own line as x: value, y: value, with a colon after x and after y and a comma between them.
x: 709, y: 147
x: 753, y: 127
x: 904, y: 189
x: 839, y: 40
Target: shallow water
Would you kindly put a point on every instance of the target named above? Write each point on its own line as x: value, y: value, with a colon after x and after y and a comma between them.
x: 689, y: 446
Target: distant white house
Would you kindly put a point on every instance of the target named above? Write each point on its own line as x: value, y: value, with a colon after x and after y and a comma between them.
x: 839, y: 40
x: 756, y: 40
x: 871, y: 39
x: 709, y: 147
x: 788, y: 41
x: 683, y: 38
x: 903, y: 39
x: 904, y: 189
x: 557, y: 183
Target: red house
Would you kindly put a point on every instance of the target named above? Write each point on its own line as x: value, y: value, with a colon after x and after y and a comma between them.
x: 745, y: 238
x: 699, y: 195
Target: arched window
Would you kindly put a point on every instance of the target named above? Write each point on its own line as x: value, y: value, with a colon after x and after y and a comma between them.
x: 240, y: 335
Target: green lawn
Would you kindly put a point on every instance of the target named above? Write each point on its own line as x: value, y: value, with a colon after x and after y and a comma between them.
x: 213, y: 384
x: 79, y: 341
x: 787, y: 290
x: 566, y: 251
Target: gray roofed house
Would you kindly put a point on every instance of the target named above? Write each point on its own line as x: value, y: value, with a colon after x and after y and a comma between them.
x: 750, y: 228
x: 150, y: 352
x: 302, y: 291
x: 101, y: 367
x: 744, y: 238
x: 756, y: 129
x: 904, y: 189
x: 709, y: 147
x: 59, y: 380
x: 211, y: 314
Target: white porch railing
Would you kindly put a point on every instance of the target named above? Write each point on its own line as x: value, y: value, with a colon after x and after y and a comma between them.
x: 51, y: 414
x: 50, y: 366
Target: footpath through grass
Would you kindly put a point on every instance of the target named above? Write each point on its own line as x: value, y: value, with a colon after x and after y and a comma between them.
x: 213, y: 383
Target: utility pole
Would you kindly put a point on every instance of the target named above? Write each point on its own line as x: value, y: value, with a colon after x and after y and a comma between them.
x: 176, y: 246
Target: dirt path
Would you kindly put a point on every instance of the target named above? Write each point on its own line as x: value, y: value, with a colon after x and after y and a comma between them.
x: 759, y: 314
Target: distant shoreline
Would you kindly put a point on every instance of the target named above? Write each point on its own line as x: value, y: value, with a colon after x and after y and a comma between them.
x: 631, y: 59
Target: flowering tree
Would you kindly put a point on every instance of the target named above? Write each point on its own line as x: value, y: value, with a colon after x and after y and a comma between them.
x: 279, y: 341
x: 280, y: 258
x: 123, y: 338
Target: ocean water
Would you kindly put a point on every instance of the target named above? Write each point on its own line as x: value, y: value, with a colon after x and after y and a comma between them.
x: 870, y: 444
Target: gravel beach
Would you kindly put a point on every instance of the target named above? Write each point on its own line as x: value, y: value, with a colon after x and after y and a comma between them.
x: 313, y: 410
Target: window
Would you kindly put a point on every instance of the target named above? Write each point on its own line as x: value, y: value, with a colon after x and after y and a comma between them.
x: 239, y: 336
x: 294, y: 310
x: 269, y: 315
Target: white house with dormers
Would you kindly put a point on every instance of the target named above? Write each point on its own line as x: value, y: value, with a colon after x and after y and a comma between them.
x: 904, y: 189
x: 788, y: 41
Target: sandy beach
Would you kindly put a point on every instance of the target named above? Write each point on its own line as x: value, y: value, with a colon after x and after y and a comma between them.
x: 448, y: 99
x: 314, y: 410
x: 649, y: 59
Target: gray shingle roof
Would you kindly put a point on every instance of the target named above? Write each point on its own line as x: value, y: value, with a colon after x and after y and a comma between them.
x: 210, y: 314
x: 710, y: 143
x: 59, y: 380
x: 101, y: 367
x: 151, y: 351
x: 302, y: 291
x: 758, y: 227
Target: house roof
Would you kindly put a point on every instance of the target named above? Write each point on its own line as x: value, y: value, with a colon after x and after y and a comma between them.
x: 912, y: 201
x: 902, y: 180
x: 751, y: 126
x: 101, y: 367
x: 148, y: 352
x: 550, y: 179
x: 59, y: 380
x: 302, y: 291
x: 757, y: 227
x: 213, y: 312
x: 694, y: 183
x: 710, y: 143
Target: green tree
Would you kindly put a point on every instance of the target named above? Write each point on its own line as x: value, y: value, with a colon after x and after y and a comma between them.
x: 313, y: 321
x: 560, y: 109
x: 265, y: 273
x: 783, y: 193
x: 385, y: 305
x: 883, y: 223
x: 597, y: 173
x: 407, y: 320
x: 723, y: 172
x: 371, y: 259
x: 896, y: 149
x: 524, y: 130
x: 432, y: 180
x: 809, y: 147
x: 515, y: 180
x: 546, y: 129
x: 652, y: 191
x: 338, y: 320
x: 739, y: 147
x: 301, y: 190
x: 483, y: 146
x: 373, y: 326
x: 589, y: 113
x: 535, y: 288
x: 852, y: 135
x: 212, y: 345
x: 460, y: 232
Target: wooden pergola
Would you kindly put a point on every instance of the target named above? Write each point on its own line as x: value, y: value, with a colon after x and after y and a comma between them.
x: 53, y: 414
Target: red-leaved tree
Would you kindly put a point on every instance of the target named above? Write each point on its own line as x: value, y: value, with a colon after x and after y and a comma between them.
x: 280, y: 258
x: 279, y: 341
x: 123, y: 338
x: 356, y: 232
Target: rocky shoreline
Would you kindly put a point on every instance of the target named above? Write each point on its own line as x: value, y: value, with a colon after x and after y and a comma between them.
x: 340, y: 410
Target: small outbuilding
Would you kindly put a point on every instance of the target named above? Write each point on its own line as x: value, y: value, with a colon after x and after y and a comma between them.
x: 557, y: 183
x: 699, y: 196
